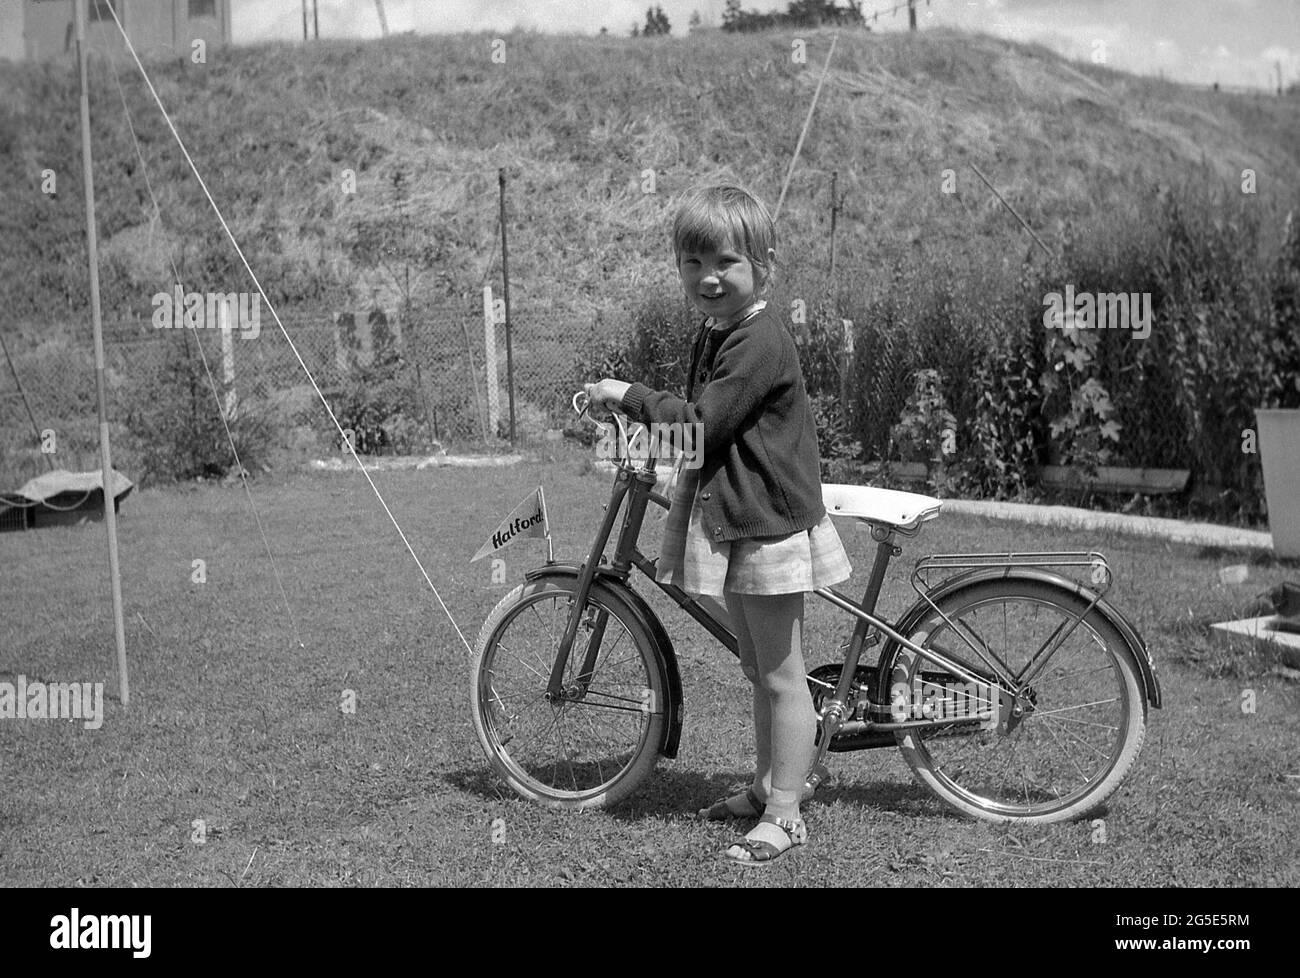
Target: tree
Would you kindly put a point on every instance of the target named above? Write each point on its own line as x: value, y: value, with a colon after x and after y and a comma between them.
x: 656, y: 22
x: 799, y: 13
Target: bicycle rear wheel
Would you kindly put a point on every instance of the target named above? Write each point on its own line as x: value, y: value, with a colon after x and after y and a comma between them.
x: 1073, y: 743
x: 591, y: 746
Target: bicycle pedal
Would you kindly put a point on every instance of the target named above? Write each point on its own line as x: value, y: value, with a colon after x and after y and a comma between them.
x: 819, y: 776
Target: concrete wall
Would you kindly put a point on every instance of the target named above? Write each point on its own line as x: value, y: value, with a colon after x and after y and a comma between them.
x: 157, y: 28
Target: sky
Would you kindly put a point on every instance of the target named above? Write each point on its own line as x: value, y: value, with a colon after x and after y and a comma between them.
x: 1233, y: 42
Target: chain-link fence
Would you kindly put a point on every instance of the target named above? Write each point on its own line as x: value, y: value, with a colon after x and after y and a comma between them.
x: 425, y: 379
x: 371, y: 365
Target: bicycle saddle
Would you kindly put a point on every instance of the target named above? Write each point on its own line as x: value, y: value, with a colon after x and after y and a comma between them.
x: 906, y: 510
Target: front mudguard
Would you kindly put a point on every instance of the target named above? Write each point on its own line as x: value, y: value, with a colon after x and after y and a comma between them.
x: 979, y: 575
x: 609, y: 581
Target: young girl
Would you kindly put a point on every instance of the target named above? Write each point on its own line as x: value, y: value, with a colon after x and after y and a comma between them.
x: 748, y: 525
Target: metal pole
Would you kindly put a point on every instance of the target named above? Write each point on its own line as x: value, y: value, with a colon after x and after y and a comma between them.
x: 105, y: 455
x: 505, y: 280
x: 1014, y: 213
x: 315, y: 19
x: 804, y: 131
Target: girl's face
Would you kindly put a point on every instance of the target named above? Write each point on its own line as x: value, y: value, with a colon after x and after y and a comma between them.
x: 720, y: 283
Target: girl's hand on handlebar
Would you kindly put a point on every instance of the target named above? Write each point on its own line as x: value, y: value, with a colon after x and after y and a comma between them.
x: 607, y: 395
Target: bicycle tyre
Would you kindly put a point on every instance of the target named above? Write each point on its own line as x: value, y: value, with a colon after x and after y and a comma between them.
x: 1095, y: 648
x: 570, y: 766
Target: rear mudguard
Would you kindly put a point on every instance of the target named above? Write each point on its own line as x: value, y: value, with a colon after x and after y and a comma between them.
x: 608, y: 581
x: 979, y: 575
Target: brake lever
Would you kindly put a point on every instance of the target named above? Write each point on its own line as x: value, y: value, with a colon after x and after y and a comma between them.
x: 625, y: 434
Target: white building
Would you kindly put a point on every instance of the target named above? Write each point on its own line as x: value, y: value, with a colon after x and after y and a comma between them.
x: 157, y: 28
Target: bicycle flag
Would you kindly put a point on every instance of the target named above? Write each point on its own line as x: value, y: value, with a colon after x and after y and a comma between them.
x: 528, y: 519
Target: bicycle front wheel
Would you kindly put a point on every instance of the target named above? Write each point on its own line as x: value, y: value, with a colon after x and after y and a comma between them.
x: 1083, y: 717
x: 592, y: 744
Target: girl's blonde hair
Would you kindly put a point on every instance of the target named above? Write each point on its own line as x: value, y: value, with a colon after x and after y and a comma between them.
x: 710, y: 217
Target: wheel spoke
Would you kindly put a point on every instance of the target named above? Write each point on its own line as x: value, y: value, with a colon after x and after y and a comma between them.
x: 536, y: 672
x: 1070, y: 757
x: 1057, y: 713
x: 1072, y: 736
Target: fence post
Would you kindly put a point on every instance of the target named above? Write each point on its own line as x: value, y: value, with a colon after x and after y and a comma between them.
x: 490, y: 356
x: 227, y: 358
x: 348, y: 353
x: 846, y: 365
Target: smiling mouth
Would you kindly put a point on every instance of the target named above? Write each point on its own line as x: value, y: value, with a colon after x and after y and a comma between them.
x: 705, y: 295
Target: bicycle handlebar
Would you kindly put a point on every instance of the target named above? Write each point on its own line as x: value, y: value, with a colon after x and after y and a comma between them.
x: 626, y: 436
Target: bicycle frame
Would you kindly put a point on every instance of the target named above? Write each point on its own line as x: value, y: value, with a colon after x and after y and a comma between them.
x: 634, y: 486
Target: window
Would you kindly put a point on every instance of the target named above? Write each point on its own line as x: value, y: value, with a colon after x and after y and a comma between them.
x: 99, y: 10
x: 203, y: 8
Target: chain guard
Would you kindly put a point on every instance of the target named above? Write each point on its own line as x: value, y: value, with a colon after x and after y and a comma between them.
x: 824, y: 680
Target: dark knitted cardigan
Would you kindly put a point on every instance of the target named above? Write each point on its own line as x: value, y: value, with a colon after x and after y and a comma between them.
x: 761, y: 470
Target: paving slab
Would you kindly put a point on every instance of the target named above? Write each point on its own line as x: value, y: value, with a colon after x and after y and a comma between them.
x: 1261, y: 629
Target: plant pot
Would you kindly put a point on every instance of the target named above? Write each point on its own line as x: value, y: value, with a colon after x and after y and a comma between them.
x: 1279, y: 454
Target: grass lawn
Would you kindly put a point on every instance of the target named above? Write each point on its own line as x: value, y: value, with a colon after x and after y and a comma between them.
x: 234, y: 723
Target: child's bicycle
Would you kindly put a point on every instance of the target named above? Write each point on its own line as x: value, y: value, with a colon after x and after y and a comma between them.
x: 1015, y: 693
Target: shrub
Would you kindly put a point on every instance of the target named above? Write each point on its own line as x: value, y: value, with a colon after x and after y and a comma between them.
x: 383, y: 410
x: 1224, y: 340
x: 927, y: 430
x: 840, y: 453
x: 998, y: 443
x: 1082, y: 414
x: 1281, y: 383
x: 175, y: 431
x: 656, y: 352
